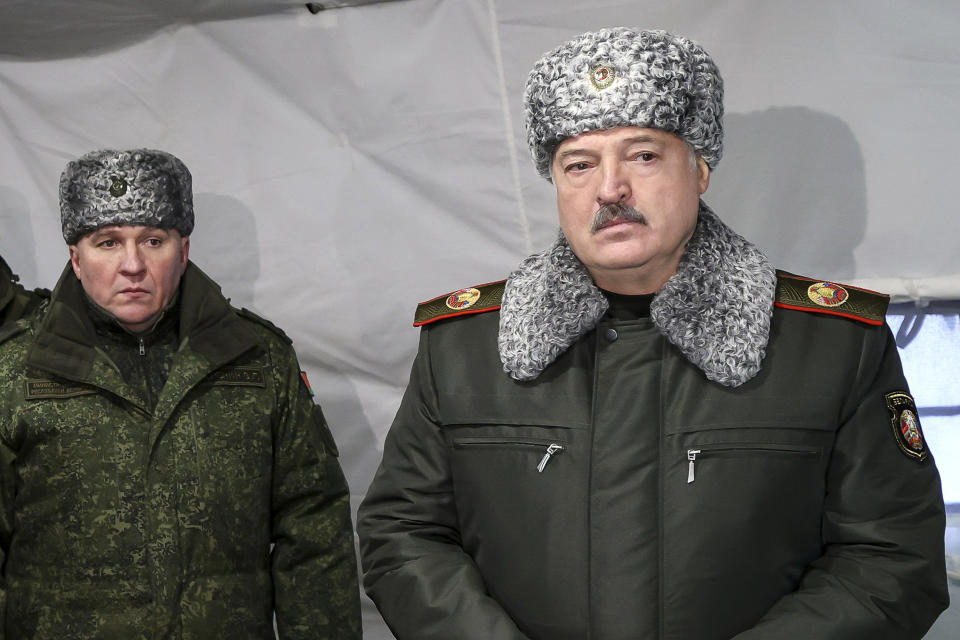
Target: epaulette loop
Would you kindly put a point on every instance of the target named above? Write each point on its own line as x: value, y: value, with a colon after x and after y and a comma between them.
x: 478, y: 299
x: 250, y: 315
x: 821, y: 296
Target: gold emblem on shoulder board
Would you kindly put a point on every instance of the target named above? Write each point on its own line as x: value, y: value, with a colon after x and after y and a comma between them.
x: 827, y: 294
x: 463, y: 299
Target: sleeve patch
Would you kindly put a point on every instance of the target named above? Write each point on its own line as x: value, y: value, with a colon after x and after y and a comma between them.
x: 831, y: 298
x: 478, y: 299
x: 905, y: 421
x: 306, y: 382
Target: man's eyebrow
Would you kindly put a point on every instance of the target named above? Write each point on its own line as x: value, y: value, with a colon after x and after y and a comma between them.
x: 149, y: 231
x: 100, y: 233
x: 570, y: 152
x: 638, y: 139
x: 642, y: 139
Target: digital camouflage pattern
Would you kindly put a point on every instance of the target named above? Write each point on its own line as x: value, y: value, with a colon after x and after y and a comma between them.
x: 15, y: 301
x: 126, y: 513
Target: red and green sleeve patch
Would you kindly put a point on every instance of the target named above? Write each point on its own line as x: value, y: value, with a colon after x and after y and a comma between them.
x: 831, y: 298
x: 478, y: 299
x: 306, y: 382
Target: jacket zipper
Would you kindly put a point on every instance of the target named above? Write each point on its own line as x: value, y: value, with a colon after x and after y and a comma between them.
x: 552, y: 448
x: 692, y: 457
x: 143, y: 346
x: 692, y: 454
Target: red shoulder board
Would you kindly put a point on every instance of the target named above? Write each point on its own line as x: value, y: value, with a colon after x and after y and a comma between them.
x: 822, y: 296
x: 478, y: 299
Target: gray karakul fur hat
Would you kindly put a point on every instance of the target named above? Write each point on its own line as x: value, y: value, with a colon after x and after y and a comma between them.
x: 143, y: 187
x: 623, y: 77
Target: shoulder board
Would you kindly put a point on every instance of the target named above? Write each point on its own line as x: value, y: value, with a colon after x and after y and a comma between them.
x: 822, y: 296
x: 478, y: 299
x: 250, y: 315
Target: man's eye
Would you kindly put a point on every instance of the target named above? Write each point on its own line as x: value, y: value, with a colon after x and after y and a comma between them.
x: 578, y: 166
x: 154, y: 242
x: 108, y: 244
x: 646, y: 156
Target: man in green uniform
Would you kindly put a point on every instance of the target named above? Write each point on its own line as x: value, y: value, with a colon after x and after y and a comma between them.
x: 164, y: 472
x: 647, y: 431
x: 16, y: 301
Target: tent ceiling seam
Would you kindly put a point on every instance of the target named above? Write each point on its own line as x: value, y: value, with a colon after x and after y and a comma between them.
x: 508, y: 125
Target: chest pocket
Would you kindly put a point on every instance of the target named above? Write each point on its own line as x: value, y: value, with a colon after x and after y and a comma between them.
x: 232, y: 418
x: 510, y: 434
x: 514, y: 451
x: 750, y: 470
x: 507, y: 477
x: 753, y: 474
x: 76, y: 451
x: 750, y: 435
x: 65, y: 427
x: 752, y: 450
x: 744, y: 454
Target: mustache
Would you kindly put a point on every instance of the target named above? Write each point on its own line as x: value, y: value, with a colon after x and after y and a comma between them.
x: 615, y: 211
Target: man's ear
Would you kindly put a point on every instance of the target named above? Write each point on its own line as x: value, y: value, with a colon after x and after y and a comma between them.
x: 704, y: 170
x: 184, y: 253
x: 75, y: 260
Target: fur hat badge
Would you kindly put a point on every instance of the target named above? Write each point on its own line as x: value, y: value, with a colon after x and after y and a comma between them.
x: 623, y: 77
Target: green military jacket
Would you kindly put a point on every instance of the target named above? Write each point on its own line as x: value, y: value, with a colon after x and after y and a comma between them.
x: 15, y: 301
x: 621, y: 493
x: 200, y: 518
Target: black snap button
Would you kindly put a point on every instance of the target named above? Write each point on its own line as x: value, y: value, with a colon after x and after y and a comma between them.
x: 611, y: 334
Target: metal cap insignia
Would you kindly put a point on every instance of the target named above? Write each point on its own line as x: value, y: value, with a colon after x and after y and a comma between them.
x: 602, y: 76
x: 827, y: 294
x: 118, y: 186
x: 463, y: 299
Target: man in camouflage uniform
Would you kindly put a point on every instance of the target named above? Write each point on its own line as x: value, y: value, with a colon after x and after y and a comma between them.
x: 15, y: 301
x: 165, y: 472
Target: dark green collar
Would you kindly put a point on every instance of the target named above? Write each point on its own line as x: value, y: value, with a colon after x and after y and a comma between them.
x: 66, y: 340
x: 627, y: 307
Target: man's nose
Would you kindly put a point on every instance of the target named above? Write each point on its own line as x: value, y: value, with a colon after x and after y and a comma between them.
x: 132, y: 262
x: 614, y: 186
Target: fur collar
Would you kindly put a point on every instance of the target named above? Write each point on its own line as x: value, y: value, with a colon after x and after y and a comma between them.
x: 715, y: 309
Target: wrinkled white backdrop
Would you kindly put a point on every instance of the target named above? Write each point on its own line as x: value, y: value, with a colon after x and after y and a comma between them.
x: 352, y: 163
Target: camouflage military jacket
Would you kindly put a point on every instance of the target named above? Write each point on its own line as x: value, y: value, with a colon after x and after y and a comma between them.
x: 15, y: 301
x: 201, y: 518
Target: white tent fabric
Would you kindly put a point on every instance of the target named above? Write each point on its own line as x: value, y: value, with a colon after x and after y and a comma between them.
x: 350, y: 163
